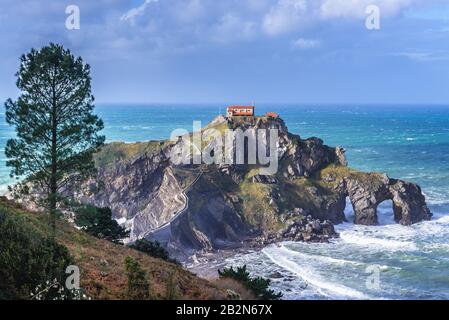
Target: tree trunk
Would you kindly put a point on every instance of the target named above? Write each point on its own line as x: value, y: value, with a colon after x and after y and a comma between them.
x: 54, y: 164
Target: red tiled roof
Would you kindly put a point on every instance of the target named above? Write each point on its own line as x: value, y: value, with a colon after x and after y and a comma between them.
x: 272, y: 114
x: 241, y: 107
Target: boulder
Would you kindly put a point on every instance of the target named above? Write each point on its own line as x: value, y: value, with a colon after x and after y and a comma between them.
x: 310, y: 230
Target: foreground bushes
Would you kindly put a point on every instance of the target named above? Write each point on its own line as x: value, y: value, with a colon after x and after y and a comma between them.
x: 138, y: 286
x: 259, y: 286
x: 28, y: 258
x: 152, y: 248
x: 98, y: 222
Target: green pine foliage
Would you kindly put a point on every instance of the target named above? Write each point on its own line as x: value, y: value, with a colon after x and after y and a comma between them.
x: 258, y: 285
x: 98, y: 222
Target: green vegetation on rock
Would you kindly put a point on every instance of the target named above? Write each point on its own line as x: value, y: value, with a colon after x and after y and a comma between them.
x: 256, y: 207
x: 123, y: 152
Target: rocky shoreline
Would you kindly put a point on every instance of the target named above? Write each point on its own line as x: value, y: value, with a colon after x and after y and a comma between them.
x: 205, y: 264
x: 305, y: 229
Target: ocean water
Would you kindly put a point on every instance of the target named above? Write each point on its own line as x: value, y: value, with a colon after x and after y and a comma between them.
x: 407, y: 142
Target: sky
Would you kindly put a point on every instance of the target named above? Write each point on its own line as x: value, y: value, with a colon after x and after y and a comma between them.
x: 239, y: 51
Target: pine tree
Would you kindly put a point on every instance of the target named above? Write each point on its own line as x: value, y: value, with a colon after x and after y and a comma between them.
x: 56, y: 130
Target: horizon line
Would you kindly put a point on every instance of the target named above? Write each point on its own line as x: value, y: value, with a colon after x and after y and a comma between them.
x: 333, y: 104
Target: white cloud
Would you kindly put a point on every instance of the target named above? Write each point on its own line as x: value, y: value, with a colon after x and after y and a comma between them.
x: 137, y: 11
x: 188, y: 11
x: 244, y: 20
x: 303, y: 44
x: 285, y: 16
x: 289, y: 15
x: 357, y: 8
x: 424, y: 56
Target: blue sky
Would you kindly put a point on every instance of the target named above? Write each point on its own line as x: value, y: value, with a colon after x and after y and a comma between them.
x: 237, y: 51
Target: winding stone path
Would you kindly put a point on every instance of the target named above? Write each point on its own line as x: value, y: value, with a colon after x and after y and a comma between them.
x: 162, y: 233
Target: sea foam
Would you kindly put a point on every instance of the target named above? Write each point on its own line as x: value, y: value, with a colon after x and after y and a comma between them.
x: 282, y: 257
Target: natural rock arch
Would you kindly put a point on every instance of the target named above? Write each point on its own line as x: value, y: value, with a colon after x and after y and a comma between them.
x: 385, y: 212
x: 367, y: 191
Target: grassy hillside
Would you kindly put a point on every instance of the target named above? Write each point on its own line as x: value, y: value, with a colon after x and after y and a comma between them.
x: 124, y: 152
x: 102, y: 263
x: 28, y: 257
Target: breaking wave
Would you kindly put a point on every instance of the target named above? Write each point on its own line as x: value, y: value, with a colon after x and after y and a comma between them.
x: 283, y: 257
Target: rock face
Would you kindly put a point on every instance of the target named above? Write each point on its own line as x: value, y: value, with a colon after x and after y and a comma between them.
x: 367, y: 191
x: 204, y: 207
x: 409, y: 204
x: 143, y: 192
x: 308, y: 156
x: 305, y: 229
x: 310, y: 230
x: 210, y: 222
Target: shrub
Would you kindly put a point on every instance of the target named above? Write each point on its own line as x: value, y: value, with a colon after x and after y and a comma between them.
x: 152, y: 248
x: 28, y: 258
x: 171, y: 288
x: 98, y: 222
x: 258, y: 285
x: 56, y: 291
x: 138, y: 287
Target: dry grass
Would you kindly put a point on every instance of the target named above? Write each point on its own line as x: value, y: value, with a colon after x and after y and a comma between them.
x: 103, y: 272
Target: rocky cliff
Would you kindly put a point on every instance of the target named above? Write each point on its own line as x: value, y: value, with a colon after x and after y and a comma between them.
x: 202, y: 207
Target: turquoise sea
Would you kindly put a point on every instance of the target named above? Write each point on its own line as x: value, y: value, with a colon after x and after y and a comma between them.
x: 407, y: 142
